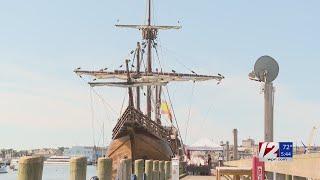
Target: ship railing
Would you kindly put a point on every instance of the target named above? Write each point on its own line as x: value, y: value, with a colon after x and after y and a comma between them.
x: 120, y: 123
x: 133, y: 116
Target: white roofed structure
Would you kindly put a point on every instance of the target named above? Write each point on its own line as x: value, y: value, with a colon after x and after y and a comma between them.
x: 205, y: 144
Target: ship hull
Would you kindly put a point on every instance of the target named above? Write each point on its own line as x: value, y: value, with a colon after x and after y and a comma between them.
x: 138, y: 145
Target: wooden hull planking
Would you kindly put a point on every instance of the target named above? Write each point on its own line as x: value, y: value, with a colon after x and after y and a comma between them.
x: 138, y: 146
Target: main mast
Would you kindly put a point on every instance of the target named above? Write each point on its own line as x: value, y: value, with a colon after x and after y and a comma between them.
x: 149, y: 38
x: 137, y: 79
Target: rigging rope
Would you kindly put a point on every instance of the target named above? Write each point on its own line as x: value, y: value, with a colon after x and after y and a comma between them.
x: 101, y: 136
x: 175, y: 118
x: 105, y: 103
x: 92, y: 117
x: 101, y: 98
x: 124, y: 98
x: 206, y: 116
x: 176, y: 59
x: 189, y: 112
x: 155, y: 47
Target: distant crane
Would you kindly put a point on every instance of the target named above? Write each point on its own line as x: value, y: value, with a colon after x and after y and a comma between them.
x: 311, y: 138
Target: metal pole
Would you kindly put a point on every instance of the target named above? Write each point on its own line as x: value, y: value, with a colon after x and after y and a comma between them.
x: 227, y: 151
x: 235, y: 144
x: 268, y: 112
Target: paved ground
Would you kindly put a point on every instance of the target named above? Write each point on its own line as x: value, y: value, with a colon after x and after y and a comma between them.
x: 199, y: 178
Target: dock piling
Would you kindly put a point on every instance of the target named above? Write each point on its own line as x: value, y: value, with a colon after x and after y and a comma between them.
x: 148, y: 169
x: 78, y: 168
x: 30, y: 168
x: 167, y: 170
x: 161, y: 170
x: 139, y: 168
x: 104, y: 169
x: 155, y: 170
x: 124, y: 170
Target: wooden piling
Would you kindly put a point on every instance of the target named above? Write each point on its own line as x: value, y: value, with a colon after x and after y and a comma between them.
x: 104, y: 169
x: 167, y: 170
x: 155, y: 170
x: 139, y: 168
x: 30, y: 168
x: 124, y: 169
x: 148, y: 169
x: 161, y: 170
x: 78, y: 168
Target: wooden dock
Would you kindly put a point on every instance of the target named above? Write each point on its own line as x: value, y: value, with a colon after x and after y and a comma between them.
x: 199, y: 178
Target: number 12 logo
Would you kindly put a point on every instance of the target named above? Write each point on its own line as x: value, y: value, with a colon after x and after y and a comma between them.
x: 268, y: 150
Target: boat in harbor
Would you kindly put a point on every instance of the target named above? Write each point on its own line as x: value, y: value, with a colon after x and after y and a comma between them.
x: 140, y: 132
x: 14, y: 164
x: 58, y: 160
x: 3, y: 168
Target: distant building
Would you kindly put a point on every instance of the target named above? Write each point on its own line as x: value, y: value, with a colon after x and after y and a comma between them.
x: 45, y: 152
x: 248, y: 143
x: 92, y: 153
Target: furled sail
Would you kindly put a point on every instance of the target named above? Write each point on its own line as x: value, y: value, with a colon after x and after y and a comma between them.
x: 142, y: 79
x: 127, y: 84
x: 143, y: 27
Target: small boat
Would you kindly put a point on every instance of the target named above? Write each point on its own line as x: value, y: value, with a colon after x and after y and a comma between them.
x: 14, y: 164
x: 58, y: 160
x: 3, y: 168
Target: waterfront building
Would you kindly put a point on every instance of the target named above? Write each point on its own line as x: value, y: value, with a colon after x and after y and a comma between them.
x: 92, y: 153
x: 248, y: 143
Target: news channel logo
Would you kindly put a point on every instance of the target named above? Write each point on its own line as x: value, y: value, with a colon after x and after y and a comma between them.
x: 275, y: 151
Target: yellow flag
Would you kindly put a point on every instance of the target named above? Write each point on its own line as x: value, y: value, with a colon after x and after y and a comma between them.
x: 166, y: 110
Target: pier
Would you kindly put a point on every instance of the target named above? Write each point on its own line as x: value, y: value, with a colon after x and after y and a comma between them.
x: 31, y: 168
x: 302, y: 167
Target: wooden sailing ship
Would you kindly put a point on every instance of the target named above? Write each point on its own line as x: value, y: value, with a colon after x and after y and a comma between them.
x: 138, y: 135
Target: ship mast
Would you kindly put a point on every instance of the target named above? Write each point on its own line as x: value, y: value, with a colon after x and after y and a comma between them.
x: 149, y: 60
x: 136, y: 79
x: 138, y: 73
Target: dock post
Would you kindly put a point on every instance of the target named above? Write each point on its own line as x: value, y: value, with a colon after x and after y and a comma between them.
x: 139, y: 168
x: 288, y: 177
x: 104, y: 169
x: 78, y: 168
x: 30, y: 168
x: 148, y: 169
x: 155, y: 170
x: 161, y: 170
x: 167, y: 170
x: 124, y: 169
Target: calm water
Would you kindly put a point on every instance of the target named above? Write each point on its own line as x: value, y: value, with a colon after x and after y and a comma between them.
x: 51, y: 172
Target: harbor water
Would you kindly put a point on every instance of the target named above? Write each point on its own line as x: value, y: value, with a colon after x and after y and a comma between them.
x: 51, y: 172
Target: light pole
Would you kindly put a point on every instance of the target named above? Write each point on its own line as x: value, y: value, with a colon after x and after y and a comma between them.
x: 266, y: 70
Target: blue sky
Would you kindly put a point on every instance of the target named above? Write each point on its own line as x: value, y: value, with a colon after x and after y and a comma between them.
x: 43, y: 104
